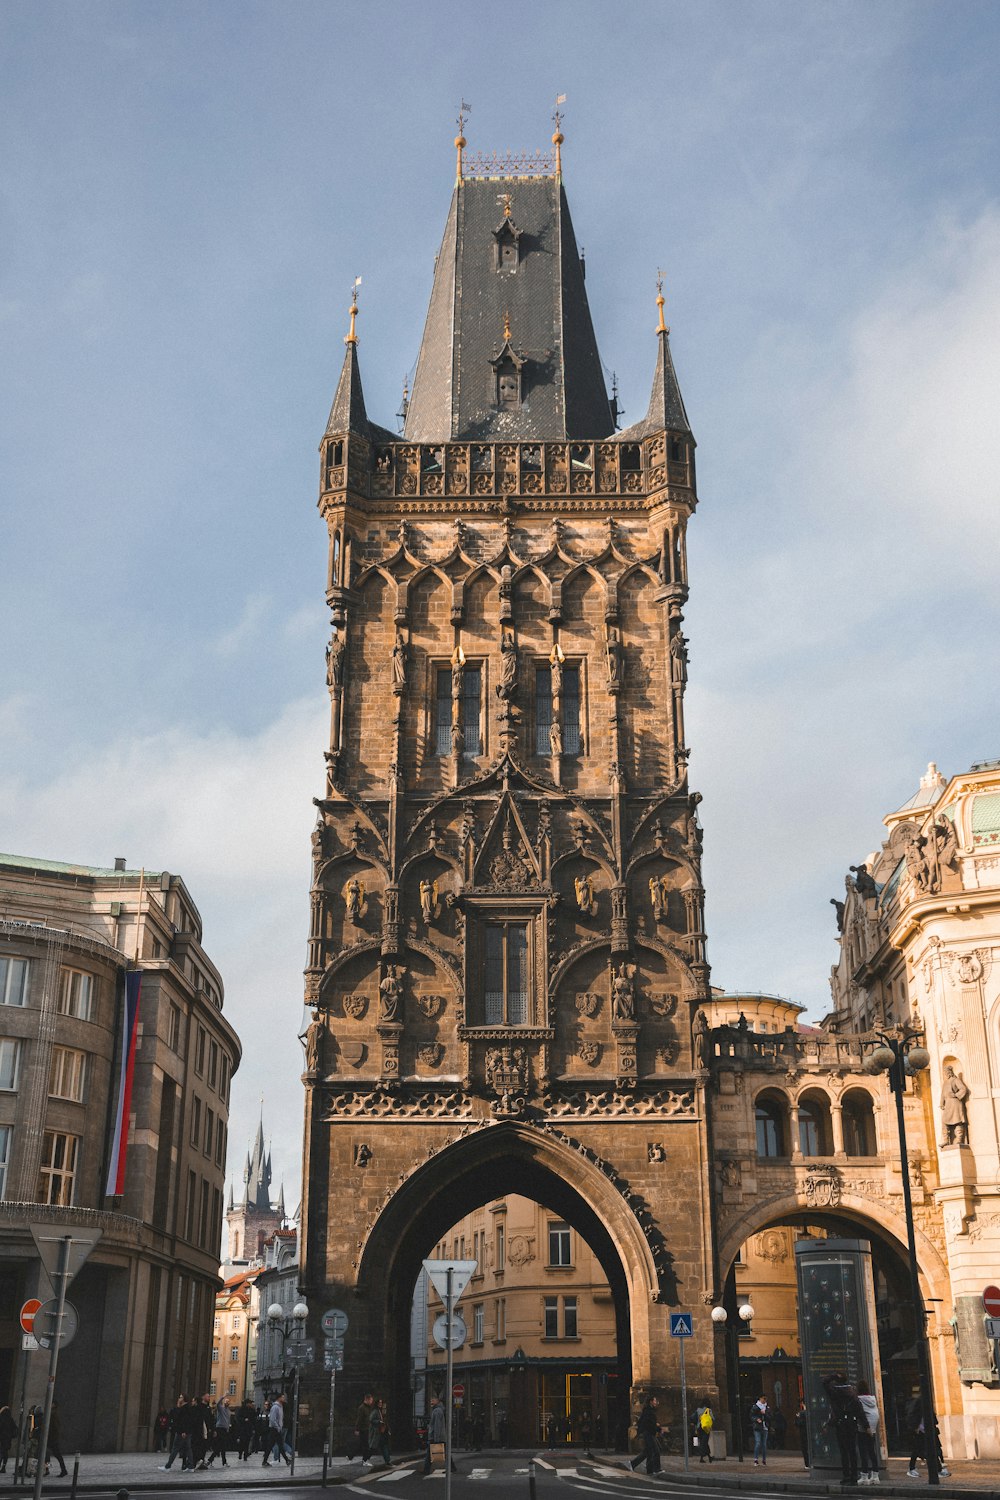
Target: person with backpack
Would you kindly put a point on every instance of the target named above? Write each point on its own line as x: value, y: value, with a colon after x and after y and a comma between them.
x: 760, y: 1425
x: 703, y: 1423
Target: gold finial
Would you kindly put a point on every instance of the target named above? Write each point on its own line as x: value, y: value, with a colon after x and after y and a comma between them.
x: 558, y: 137
x: 660, y: 299
x: 352, y: 337
x: 460, y: 141
x: 507, y: 199
x: 506, y: 326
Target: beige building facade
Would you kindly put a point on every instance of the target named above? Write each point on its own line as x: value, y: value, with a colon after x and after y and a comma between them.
x: 146, y: 1296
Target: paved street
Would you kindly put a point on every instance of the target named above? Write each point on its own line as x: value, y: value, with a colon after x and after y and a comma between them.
x: 506, y: 1473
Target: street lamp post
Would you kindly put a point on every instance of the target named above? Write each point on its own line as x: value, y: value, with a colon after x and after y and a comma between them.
x: 284, y: 1327
x: 895, y: 1056
x: 720, y: 1316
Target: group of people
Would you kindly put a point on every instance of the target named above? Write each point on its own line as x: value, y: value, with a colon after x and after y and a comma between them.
x: 198, y: 1432
x: 371, y: 1432
x: 8, y: 1432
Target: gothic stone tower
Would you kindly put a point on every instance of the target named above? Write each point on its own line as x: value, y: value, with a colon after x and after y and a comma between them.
x: 507, y: 951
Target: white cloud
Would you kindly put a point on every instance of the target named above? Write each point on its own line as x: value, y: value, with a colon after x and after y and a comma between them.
x: 245, y: 628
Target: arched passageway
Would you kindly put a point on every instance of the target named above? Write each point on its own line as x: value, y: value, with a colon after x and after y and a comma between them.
x: 473, y: 1170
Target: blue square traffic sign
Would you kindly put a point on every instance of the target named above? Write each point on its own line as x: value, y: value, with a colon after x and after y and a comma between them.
x: 681, y: 1325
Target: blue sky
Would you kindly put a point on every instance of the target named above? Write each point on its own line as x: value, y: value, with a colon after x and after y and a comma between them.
x: 186, y: 193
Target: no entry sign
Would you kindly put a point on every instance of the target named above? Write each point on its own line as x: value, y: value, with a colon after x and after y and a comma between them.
x: 991, y: 1301
x: 28, y: 1314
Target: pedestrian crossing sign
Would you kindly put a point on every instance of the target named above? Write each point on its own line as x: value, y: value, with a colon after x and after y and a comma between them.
x: 681, y: 1326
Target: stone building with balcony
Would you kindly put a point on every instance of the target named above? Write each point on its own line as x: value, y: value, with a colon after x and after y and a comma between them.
x: 146, y: 1295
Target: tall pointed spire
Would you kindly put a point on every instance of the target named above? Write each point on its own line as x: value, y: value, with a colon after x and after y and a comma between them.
x: 666, y: 404
x: 281, y: 1203
x: 348, y: 414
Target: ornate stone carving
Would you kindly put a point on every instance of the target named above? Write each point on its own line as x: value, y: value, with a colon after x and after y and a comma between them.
x: 702, y: 1041
x: 658, y: 893
x: 353, y: 1053
x: 586, y: 901
x: 970, y: 968
x: 355, y: 1006
x: 623, y: 992
x: 314, y: 1039
x: 731, y: 1173
x: 430, y: 1005
x: 590, y: 1053
x: 587, y: 1104
x: 772, y: 1245
x: 335, y: 661
x: 379, y: 1104
x: 954, y: 1115
x: 507, y: 686
x: 507, y: 1069
x: 355, y: 901
x: 588, y: 1005
x: 430, y: 905
x: 662, y: 1002
x: 519, y: 1251
x: 430, y: 1054
x: 823, y: 1187
x: 655, y: 1151
x: 362, y: 1154
x: 390, y: 994
x: 398, y: 663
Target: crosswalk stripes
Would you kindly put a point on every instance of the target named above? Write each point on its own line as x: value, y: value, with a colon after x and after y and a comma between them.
x: 393, y: 1476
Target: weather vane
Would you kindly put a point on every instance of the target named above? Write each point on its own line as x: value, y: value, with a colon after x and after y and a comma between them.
x: 662, y: 328
x: 556, y: 116
x: 352, y: 337
x: 463, y: 110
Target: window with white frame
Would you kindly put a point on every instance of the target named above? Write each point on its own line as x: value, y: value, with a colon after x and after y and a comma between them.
x: 57, y: 1174
x: 10, y: 1062
x: 232, y: 1387
x: 76, y: 996
x: 478, y: 1322
x: 551, y: 1317
x: 13, y: 981
x: 234, y: 1353
x: 67, y: 1077
x: 215, y: 1354
x: 6, y: 1136
x: 211, y: 1388
x: 560, y: 1245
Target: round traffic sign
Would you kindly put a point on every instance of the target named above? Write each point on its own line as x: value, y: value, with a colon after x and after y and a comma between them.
x: 458, y: 1390
x: 28, y: 1314
x: 334, y: 1322
x: 440, y: 1331
x: 991, y: 1300
x: 45, y: 1324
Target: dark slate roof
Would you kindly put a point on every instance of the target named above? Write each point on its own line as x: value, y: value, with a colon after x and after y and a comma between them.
x: 666, y: 405
x: 454, y: 390
x: 347, y: 414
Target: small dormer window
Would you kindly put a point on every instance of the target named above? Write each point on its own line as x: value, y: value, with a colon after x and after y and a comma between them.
x: 507, y: 239
x: 508, y: 384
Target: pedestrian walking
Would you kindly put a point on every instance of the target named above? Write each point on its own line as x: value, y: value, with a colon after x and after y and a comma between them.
x: 586, y: 1433
x: 161, y: 1430
x: 54, y: 1443
x: 199, y: 1424
x: 802, y: 1426
x: 436, y: 1431
x: 760, y: 1425
x: 220, y: 1435
x: 648, y: 1429
x: 245, y: 1429
x: 704, y: 1422
x: 868, y: 1436
x: 262, y: 1431
x: 918, y: 1437
x: 847, y: 1418
x: 361, y: 1420
x: 280, y: 1447
x: 180, y: 1441
x: 8, y: 1432
x: 378, y: 1433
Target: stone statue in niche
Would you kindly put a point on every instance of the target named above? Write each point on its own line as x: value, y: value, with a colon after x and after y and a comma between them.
x: 335, y: 660
x: 954, y: 1115
x: 556, y: 660
x: 941, y: 850
x: 390, y: 992
x: 732, y: 1176
x: 702, y: 1042
x: 655, y: 1151
x: 678, y: 659
x: 585, y: 898
x: 916, y: 863
x: 318, y: 839
x: 399, y: 661
x: 555, y: 737
x: 658, y: 896
x: 457, y: 739
x: 355, y: 900
x: 362, y: 1154
x: 314, y: 1044
x: 623, y: 993
x: 430, y: 906
x: 616, y: 661
x: 507, y: 685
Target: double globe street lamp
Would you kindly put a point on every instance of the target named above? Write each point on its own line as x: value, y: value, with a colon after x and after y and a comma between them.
x: 897, y: 1057
x: 720, y: 1316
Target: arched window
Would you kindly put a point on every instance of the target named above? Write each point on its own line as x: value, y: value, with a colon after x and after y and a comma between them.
x: 771, y: 1115
x: 815, y: 1134
x: 859, y: 1124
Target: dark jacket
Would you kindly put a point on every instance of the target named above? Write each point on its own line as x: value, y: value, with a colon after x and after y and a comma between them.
x: 647, y: 1422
